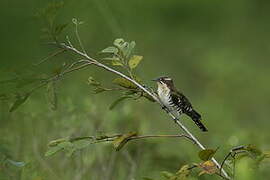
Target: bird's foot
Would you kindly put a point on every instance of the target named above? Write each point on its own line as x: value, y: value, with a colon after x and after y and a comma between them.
x: 164, y: 107
x: 175, y: 120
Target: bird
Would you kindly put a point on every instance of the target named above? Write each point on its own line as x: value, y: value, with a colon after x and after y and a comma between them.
x: 175, y: 102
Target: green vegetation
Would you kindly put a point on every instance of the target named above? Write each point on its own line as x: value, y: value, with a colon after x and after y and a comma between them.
x: 66, y: 116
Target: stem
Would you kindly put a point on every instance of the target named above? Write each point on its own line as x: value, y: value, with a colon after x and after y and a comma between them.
x: 78, y: 38
x: 226, y: 157
x: 176, y: 120
x: 50, y: 56
x: 158, y: 136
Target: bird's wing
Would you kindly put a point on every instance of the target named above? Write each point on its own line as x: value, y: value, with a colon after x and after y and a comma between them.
x: 181, y: 100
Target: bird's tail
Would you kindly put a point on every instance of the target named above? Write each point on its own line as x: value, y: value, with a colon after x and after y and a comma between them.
x: 196, y: 117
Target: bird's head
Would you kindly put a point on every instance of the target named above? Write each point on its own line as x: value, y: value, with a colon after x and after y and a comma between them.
x: 164, y: 81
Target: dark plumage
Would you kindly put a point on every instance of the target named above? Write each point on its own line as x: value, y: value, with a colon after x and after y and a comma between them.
x: 176, y: 101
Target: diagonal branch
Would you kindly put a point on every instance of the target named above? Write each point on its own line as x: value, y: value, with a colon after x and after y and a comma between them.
x: 153, y: 95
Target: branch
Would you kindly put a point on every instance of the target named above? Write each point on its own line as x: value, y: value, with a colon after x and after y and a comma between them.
x: 68, y: 70
x: 158, y: 136
x: 114, y: 137
x: 153, y: 95
x: 123, y: 138
x: 233, y: 152
x: 226, y: 157
x: 50, y: 56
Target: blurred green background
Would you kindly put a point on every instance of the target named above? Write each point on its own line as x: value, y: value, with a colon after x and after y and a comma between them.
x: 217, y: 52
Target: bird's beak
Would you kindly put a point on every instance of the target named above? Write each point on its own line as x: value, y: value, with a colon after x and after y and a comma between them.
x: 156, y: 80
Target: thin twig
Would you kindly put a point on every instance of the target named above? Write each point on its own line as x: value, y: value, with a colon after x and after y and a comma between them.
x: 78, y: 37
x: 55, y: 77
x: 226, y: 157
x: 77, y: 68
x: 158, y: 136
x: 50, y: 56
x: 69, y: 41
x: 82, y: 138
x: 176, y: 120
x: 113, y: 137
x: 75, y: 63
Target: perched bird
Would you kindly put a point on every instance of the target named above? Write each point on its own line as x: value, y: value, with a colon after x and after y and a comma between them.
x: 175, y: 102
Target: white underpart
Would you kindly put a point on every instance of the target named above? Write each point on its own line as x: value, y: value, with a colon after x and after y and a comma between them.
x: 164, y: 96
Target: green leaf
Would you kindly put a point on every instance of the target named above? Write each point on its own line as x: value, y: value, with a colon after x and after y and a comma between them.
x: 98, y: 90
x: 110, y: 50
x: 202, y: 173
x: 57, y: 141
x: 209, y: 167
x: 262, y: 157
x: 49, y: 12
x: 59, y: 28
x: 206, y: 154
x: 134, y: 61
x: 52, y: 150
x: 65, y: 144
x: 124, y: 83
x: 93, y: 82
x: 114, y: 60
x: 20, y: 99
x: 117, y: 101
x: 124, y: 49
x: 51, y: 95
x: 117, y: 62
x: 16, y: 163
x: 259, y: 159
x: 81, y: 144
x: 68, y: 147
x: 183, y: 173
x: 253, y: 150
x: 119, y: 142
x: 122, y: 46
x: 131, y: 46
x: 119, y: 42
x: 267, y: 154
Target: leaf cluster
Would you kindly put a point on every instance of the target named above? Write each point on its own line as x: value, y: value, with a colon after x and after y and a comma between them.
x: 248, y: 151
x: 207, y: 166
x: 122, y: 54
x: 51, y: 29
x: 71, y: 145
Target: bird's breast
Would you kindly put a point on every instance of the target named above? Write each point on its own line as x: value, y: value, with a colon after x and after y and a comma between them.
x: 166, y: 99
x: 164, y: 96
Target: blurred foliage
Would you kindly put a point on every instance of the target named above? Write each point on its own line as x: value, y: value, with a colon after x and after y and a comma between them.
x: 217, y: 52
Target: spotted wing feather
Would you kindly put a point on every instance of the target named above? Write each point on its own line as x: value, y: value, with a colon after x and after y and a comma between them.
x: 182, y: 105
